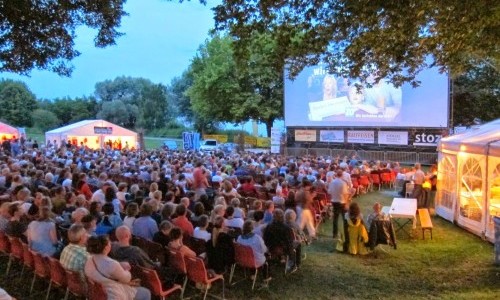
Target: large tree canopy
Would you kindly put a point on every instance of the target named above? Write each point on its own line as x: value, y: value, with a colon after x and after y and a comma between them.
x: 40, y: 34
x: 357, y: 37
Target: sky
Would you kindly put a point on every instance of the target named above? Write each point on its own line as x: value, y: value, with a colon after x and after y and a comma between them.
x: 161, y: 37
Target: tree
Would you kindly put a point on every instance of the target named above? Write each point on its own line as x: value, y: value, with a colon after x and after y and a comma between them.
x: 393, y: 39
x: 45, y: 120
x: 40, y: 34
x: 153, y: 109
x: 118, y: 112
x: 16, y: 103
x: 226, y: 92
x: 215, y: 86
x: 177, y: 93
x: 69, y: 110
x: 476, y: 94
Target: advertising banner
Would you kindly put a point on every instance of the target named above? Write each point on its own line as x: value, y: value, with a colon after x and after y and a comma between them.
x: 275, y: 140
x: 331, y: 136
x: 305, y: 135
x: 221, y: 138
x: 361, y: 136
x: 263, y: 142
x: 103, y: 130
x: 393, y: 137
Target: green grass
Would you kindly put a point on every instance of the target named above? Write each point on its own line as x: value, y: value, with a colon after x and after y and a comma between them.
x: 454, y: 265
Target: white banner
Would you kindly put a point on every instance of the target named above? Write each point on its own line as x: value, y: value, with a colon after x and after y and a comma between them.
x: 331, y: 136
x: 275, y: 136
x: 305, y: 135
x: 393, y: 137
x: 275, y: 149
x: 361, y: 136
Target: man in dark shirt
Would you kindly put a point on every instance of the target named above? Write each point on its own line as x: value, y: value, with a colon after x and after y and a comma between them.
x: 279, y: 235
x: 123, y: 251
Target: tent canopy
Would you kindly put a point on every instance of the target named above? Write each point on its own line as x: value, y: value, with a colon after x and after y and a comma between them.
x: 85, y: 131
x: 7, y: 129
x: 475, y: 140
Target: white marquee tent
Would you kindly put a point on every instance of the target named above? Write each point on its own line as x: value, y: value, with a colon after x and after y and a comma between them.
x: 94, y: 134
x: 469, y: 179
x: 8, y: 132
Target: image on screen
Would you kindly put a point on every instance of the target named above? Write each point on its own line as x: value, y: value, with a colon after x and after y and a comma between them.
x: 315, y: 98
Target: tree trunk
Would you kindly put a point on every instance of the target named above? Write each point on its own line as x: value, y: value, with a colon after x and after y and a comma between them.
x: 269, y: 125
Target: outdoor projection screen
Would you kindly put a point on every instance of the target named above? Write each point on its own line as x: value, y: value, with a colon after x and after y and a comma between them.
x: 317, y: 99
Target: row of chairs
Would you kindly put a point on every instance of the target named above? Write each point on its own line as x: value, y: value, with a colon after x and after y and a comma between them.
x: 49, y: 269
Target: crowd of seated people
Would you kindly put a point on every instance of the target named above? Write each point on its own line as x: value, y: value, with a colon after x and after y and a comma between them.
x: 94, y: 209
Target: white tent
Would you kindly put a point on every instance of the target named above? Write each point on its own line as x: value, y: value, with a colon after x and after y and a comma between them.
x: 8, y: 132
x: 469, y: 178
x: 94, y: 134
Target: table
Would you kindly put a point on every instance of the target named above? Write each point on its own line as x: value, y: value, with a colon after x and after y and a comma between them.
x: 404, y: 209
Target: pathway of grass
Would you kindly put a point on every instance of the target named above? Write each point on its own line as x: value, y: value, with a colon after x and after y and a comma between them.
x: 454, y: 265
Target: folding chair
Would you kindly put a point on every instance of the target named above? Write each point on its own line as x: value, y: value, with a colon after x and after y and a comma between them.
x: 16, y: 253
x: 365, y: 183
x: 177, y: 262
x: 155, y: 251
x: 199, y: 246
x: 197, y: 273
x: 41, y: 268
x: 75, y: 285
x: 4, y: 244
x: 409, y: 189
x: 96, y: 291
x: 244, y: 257
x: 57, y: 275
x: 385, y: 178
x: 28, y: 260
x: 376, y: 180
x: 153, y: 283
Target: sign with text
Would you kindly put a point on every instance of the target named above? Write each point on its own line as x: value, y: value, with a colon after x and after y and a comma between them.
x: 275, y: 140
x: 361, y: 136
x: 221, y: 138
x: 103, y: 130
x: 393, y: 137
x: 426, y: 139
x: 305, y: 135
x: 331, y: 136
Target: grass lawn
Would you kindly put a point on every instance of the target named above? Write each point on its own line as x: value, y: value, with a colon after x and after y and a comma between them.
x: 454, y: 265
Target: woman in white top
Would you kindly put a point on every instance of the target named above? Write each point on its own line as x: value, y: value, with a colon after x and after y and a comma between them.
x: 132, y: 211
x: 113, y: 275
x: 259, y: 249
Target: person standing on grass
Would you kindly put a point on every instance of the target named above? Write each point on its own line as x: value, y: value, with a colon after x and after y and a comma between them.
x: 339, y: 193
x: 418, y: 180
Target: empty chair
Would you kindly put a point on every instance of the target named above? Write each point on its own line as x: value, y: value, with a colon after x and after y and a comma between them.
x: 244, y: 258
x: 375, y: 179
x: 57, y: 275
x: 153, y: 283
x: 41, y: 268
x: 409, y: 189
x: 197, y: 273
x: 385, y: 178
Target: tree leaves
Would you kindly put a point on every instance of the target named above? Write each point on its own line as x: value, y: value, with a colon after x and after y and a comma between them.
x: 355, y: 38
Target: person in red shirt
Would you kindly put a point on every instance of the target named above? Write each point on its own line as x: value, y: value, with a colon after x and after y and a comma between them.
x: 200, y: 181
x: 182, y: 221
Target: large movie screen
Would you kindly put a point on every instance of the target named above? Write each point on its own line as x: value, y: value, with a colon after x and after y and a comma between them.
x: 318, y: 99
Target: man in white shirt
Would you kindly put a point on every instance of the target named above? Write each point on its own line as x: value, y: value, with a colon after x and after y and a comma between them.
x: 339, y: 193
x: 418, y: 180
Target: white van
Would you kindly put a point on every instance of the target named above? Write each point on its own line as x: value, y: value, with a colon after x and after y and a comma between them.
x: 209, y: 145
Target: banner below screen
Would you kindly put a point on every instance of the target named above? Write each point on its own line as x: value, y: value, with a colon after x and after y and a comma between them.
x: 361, y: 136
x: 393, y: 137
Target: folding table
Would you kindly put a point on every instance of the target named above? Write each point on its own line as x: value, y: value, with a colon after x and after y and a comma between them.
x: 404, y: 210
